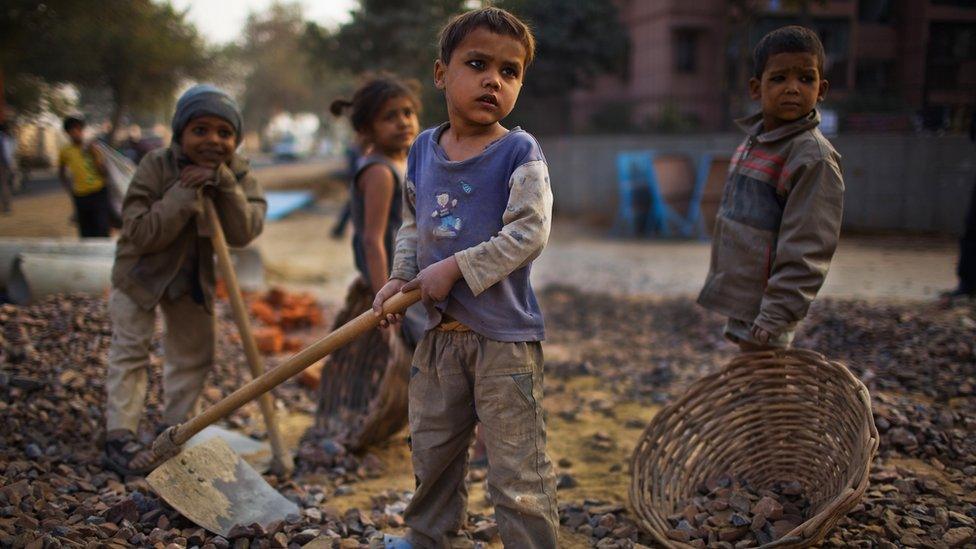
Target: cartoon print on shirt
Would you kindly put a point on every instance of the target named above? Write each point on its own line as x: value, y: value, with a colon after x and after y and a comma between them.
x: 449, y: 224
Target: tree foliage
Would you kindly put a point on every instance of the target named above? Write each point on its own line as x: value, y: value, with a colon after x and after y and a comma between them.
x: 392, y: 36
x: 279, y: 75
x: 575, y: 42
x: 25, y: 30
x: 137, y: 51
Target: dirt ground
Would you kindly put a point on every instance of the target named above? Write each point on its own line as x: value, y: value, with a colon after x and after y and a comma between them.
x: 874, y: 269
x: 300, y: 252
x: 656, y: 276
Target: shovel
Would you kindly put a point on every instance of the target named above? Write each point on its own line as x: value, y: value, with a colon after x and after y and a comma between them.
x: 281, y: 461
x: 211, y: 485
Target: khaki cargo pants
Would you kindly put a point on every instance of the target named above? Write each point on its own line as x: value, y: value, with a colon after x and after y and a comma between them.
x: 189, y: 351
x: 457, y: 379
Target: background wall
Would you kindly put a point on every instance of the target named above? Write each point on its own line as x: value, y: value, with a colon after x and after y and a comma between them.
x: 894, y: 182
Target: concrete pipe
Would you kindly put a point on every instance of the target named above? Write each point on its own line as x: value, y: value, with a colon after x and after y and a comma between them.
x: 76, y: 255
x: 10, y: 248
x: 249, y: 266
x: 36, y: 275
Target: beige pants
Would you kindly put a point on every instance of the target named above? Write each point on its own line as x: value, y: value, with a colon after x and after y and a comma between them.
x: 188, y: 344
x: 457, y: 379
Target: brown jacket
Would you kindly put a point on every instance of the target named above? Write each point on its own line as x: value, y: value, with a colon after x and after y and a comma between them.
x: 161, y: 219
x: 778, y: 225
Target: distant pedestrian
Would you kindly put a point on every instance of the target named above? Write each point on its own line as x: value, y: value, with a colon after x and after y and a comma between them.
x: 82, y: 171
x: 7, y: 168
x: 353, y: 151
x: 966, y: 269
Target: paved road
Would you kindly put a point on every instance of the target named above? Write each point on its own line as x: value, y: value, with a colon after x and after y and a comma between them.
x: 46, y: 181
x: 44, y: 209
x: 299, y: 251
x: 868, y: 268
x: 865, y: 268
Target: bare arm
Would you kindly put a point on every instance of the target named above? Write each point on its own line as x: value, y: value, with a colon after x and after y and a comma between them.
x: 65, y: 178
x: 405, y: 259
x: 377, y: 185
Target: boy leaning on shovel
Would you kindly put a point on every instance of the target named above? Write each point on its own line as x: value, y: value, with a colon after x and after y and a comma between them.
x: 164, y: 258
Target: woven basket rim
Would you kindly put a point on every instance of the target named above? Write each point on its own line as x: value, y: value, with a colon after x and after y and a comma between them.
x: 814, y: 528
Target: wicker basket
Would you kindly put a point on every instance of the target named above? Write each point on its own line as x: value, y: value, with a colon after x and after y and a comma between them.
x: 764, y: 417
x: 363, y: 393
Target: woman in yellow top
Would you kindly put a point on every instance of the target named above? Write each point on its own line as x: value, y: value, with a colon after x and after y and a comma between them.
x: 83, y: 174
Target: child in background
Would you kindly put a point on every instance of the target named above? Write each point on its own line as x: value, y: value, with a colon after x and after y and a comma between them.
x: 781, y: 210
x: 164, y: 257
x: 478, y: 212
x: 82, y: 172
x: 384, y: 115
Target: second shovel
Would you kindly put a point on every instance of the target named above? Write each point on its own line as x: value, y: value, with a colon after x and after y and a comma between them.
x: 282, y: 462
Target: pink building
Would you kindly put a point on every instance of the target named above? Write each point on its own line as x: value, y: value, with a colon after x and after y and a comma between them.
x: 685, y: 71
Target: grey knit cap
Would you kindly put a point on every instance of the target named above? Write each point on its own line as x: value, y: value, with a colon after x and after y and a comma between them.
x: 204, y: 100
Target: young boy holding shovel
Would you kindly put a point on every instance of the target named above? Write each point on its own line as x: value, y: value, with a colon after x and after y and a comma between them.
x: 477, y: 211
x: 164, y: 258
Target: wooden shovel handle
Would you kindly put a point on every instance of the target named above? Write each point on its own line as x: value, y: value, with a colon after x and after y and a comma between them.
x: 303, y: 359
x: 282, y: 460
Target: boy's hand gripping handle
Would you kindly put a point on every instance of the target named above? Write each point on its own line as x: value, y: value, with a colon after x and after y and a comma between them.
x: 168, y: 443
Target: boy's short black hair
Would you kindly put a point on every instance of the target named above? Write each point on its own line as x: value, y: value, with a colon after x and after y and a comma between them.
x: 73, y: 122
x: 791, y: 39
x: 495, y: 20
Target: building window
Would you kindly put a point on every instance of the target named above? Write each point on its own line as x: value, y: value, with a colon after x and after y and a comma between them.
x: 875, y: 75
x: 957, y: 3
x: 951, y: 47
x: 874, y: 11
x: 685, y: 42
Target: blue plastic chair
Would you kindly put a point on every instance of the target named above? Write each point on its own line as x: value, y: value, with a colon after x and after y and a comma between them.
x: 637, y: 182
x: 636, y: 175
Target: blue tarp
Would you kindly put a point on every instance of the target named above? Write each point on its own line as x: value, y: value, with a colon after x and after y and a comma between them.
x: 283, y: 203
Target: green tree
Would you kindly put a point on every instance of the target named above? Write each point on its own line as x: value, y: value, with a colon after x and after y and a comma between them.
x: 398, y: 36
x: 137, y: 51
x: 575, y: 42
x: 279, y: 74
x: 26, y: 28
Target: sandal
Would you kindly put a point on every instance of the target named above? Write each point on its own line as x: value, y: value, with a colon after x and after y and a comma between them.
x: 127, y: 457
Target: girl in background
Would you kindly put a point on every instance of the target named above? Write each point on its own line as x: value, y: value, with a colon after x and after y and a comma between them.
x: 374, y: 369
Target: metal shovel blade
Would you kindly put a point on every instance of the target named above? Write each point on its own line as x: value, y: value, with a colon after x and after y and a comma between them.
x: 216, y: 489
x: 257, y: 454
